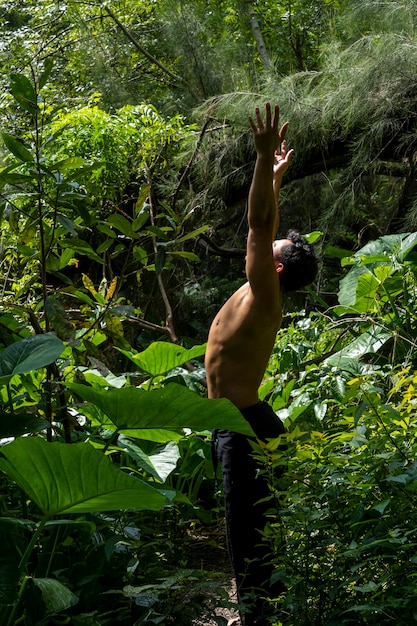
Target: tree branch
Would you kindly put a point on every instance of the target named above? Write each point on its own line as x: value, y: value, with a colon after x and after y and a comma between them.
x: 190, y: 162
x: 213, y: 248
x: 147, y: 54
x: 169, y: 320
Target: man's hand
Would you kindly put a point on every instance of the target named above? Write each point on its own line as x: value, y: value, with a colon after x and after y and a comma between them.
x: 265, y: 135
x: 282, y: 157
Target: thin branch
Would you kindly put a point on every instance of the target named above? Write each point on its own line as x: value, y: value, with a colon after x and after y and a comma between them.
x: 213, y: 248
x: 191, y: 161
x: 147, y: 54
x: 149, y: 325
x: 168, y: 309
x: 257, y: 33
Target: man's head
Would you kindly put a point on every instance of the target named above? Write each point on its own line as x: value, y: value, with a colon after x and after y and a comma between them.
x: 295, y: 261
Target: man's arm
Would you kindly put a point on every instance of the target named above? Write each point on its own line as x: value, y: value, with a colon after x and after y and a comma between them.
x: 262, y: 204
x: 263, y: 195
x: 281, y: 162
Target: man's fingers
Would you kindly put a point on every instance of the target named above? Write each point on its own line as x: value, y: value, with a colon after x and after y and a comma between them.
x: 271, y: 120
x: 276, y: 117
x: 268, y: 115
x: 283, y: 130
x: 259, y: 119
x: 289, y: 155
x: 252, y: 124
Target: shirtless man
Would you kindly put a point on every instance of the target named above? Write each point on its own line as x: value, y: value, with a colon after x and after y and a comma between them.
x: 240, y: 343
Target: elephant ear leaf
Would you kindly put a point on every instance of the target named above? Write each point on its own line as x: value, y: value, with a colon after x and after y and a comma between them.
x: 369, y: 342
x: 61, y: 479
x: 146, y: 414
x: 161, y: 357
x: 372, y: 266
x: 29, y: 354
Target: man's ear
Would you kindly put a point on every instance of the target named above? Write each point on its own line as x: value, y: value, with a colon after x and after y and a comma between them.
x: 279, y: 267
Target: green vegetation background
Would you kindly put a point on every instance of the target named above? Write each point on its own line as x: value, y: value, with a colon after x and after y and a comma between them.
x: 125, y: 164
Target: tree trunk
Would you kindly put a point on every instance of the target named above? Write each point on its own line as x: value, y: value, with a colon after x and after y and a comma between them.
x: 260, y: 42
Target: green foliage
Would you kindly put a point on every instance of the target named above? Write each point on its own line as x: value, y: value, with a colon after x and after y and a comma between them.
x: 127, y: 141
x: 347, y: 508
x: 49, y: 209
x: 28, y: 354
x: 296, y: 31
x: 105, y: 189
x: 342, y: 520
x: 41, y: 468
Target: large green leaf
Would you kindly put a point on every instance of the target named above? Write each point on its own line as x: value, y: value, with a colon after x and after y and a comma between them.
x: 61, y: 478
x: 358, y: 289
x: 397, y: 246
x: 161, y: 357
x: 363, y: 295
x: 160, y: 463
x: 368, y: 342
x: 55, y: 595
x: 29, y: 354
x: 24, y: 92
x: 171, y: 407
x: 17, y: 148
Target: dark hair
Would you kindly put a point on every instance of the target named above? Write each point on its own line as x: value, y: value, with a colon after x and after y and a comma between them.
x: 299, y: 261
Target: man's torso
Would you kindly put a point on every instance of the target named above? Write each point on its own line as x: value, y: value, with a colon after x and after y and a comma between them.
x: 240, y: 342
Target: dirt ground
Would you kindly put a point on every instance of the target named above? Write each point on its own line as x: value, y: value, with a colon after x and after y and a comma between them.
x: 231, y: 615
x: 209, y: 553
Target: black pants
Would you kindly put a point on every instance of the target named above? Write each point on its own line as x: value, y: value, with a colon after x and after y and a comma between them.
x: 245, y: 515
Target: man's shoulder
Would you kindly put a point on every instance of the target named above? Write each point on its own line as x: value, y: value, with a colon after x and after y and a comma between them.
x: 259, y: 308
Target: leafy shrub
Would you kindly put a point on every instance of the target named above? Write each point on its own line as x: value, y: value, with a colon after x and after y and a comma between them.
x: 343, y: 517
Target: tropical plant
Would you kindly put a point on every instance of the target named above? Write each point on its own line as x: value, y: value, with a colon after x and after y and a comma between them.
x: 53, y: 489
x: 343, y: 530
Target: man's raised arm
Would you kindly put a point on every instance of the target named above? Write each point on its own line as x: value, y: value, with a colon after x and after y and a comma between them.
x: 282, y: 159
x: 262, y: 204
x: 271, y: 164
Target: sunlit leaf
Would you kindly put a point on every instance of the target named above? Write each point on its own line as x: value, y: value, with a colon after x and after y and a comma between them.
x: 160, y: 464
x: 313, y: 236
x: 191, y: 235
x: 173, y: 407
x: 61, y: 478
x: 111, y: 289
x: 191, y: 256
x: 55, y: 595
x: 162, y: 356
x: 368, y: 342
x: 88, y: 284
